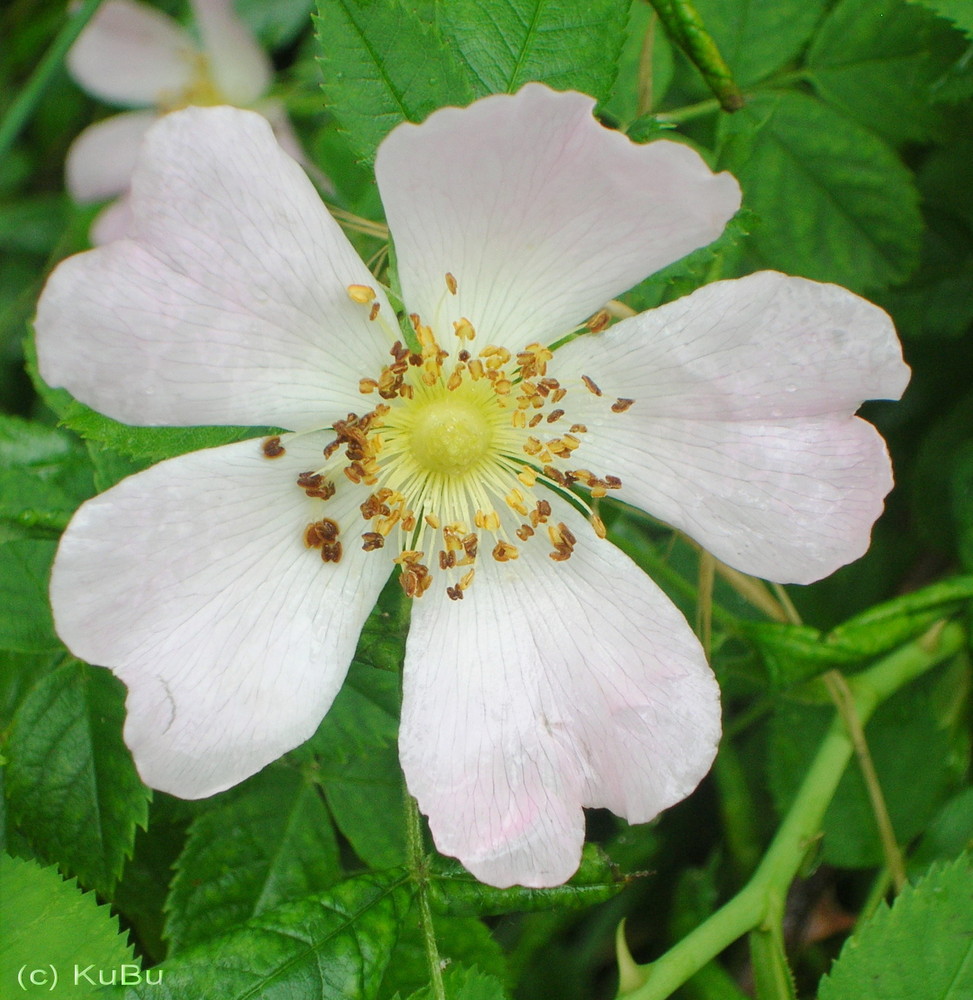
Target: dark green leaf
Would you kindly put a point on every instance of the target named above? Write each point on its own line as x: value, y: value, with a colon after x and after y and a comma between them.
x: 383, y: 65
x: 645, y: 68
x: 882, y: 65
x: 26, y: 625
x: 835, y: 203
x: 961, y: 494
x: 264, y: 843
x: 919, y: 949
x: 51, y: 926
x: 453, y: 890
x: 366, y: 796
x: 757, y: 37
x: 278, y: 23
x: 958, y: 11
x: 507, y: 43
x: 71, y: 783
x: 916, y: 732
x: 335, y: 944
x: 949, y: 833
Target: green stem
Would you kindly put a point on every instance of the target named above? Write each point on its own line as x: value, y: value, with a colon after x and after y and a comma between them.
x: 689, y: 112
x: 418, y: 867
x: 754, y: 905
x: 18, y: 114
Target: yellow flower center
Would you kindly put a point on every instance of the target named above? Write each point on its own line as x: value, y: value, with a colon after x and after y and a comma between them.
x: 456, y: 450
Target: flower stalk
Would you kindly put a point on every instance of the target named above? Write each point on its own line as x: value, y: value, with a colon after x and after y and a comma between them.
x: 754, y: 905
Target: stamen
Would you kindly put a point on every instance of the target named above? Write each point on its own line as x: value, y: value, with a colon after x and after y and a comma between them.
x: 590, y: 385
x: 621, y: 405
x: 450, y: 283
x: 272, y: 448
x: 361, y: 294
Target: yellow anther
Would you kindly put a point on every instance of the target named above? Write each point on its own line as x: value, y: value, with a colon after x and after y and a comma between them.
x: 599, y: 525
x: 504, y: 552
x: 361, y: 294
x: 450, y: 283
x: 464, y: 329
x: 527, y: 476
x: 487, y: 520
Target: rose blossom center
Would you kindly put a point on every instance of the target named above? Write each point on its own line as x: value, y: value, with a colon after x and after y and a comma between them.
x: 450, y: 435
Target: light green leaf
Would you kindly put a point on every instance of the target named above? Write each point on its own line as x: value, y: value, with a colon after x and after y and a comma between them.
x: 51, y: 928
x: 645, y: 68
x: 919, y: 949
x: 506, y: 43
x: 266, y: 842
x: 883, y: 64
x: 757, y: 37
x: 834, y: 201
x: 72, y: 788
x: 335, y: 944
x: 462, y: 983
x: 383, y: 65
x: 26, y: 625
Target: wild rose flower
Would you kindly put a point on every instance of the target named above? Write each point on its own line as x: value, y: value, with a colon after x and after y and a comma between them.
x: 544, y: 671
x: 133, y: 55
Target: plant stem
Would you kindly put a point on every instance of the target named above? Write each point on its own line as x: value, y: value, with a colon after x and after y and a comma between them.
x: 18, y: 114
x: 754, y: 904
x: 418, y: 867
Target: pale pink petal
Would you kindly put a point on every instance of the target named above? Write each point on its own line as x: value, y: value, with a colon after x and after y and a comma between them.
x: 240, y: 69
x: 133, y: 55
x: 549, y: 687
x: 191, y: 581
x: 113, y: 222
x: 540, y: 213
x: 230, y: 303
x: 742, y: 431
x: 101, y: 159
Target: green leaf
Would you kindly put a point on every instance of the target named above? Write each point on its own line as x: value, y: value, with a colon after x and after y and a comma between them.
x: 834, y: 201
x: 44, y: 474
x: 949, y: 833
x: 882, y: 66
x: 383, y: 65
x: 645, y: 69
x: 961, y: 495
x: 463, y: 941
x: 50, y: 928
x: 919, y: 949
x: 278, y: 23
x: 72, y: 787
x: 367, y: 799
x: 462, y: 983
x: 960, y: 12
x: 757, y: 37
x: 26, y: 625
x: 266, y: 842
x: 918, y: 731
x: 507, y: 43
x: 334, y: 944
x: 454, y: 891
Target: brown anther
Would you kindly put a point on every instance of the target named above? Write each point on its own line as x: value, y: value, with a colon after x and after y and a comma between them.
x: 613, y: 482
x: 372, y: 540
x: 373, y: 312
x: 463, y: 355
x: 590, y: 385
x: 535, y: 419
x: 544, y: 509
x: 317, y: 533
x: 447, y: 560
x: 272, y: 448
x: 331, y: 552
x: 599, y: 321
x: 454, y: 593
x: 621, y: 405
x: 314, y: 485
x: 470, y: 543
x: 366, y: 385
x: 415, y: 320
x: 554, y: 415
x: 361, y: 293
x: 558, y: 395
x: 504, y: 552
x: 555, y: 474
x: 524, y: 532
x: 579, y: 429
x: 463, y: 329
x: 450, y: 283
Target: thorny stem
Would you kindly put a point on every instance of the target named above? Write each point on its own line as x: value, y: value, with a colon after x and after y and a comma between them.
x: 418, y: 865
x: 18, y: 114
x: 753, y: 905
